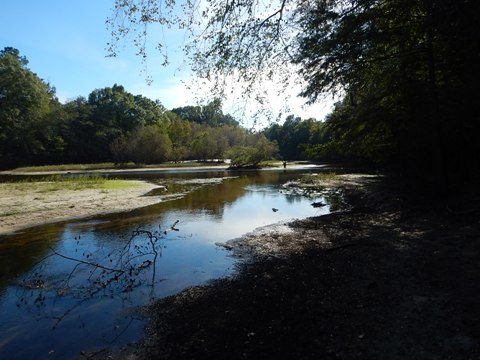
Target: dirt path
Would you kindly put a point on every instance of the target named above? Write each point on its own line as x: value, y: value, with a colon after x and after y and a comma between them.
x: 20, y: 209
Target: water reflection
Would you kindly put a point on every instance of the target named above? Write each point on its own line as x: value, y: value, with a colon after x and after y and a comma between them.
x: 18, y: 253
x: 62, y: 301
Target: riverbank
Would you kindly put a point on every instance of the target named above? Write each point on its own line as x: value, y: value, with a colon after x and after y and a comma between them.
x: 23, y: 208
x: 385, y: 280
x: 180, y: 167
x: 20, y: 208
x: 127, y: 170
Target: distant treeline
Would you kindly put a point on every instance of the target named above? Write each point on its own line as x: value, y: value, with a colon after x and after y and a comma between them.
x: 115, y: 125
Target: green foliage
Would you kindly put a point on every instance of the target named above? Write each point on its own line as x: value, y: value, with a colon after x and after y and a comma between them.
x: 251, y: 156
x: 180, y: 132
x: 184, y: 140
x: 115, y: 112
x: 203, y: 145
x: 407, y: 69
x: 25, y: 102
x: 243, y: 156
x: 111, y: 125
x: 78, y: 130
x: 356, y: 134
x: 210, y: 114
x: 399, y: 64
x: 295, y: 134
x: 146, y: 145
x: 150, y: 145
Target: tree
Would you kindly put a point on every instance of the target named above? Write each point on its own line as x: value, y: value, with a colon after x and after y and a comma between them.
x: 295, y: 135
x: 113, y: 110
x: 119, y: 150
x: 108, y: 114
x: 146, y: 145
x: 79, y: 131
x: 398, y: 62
x: 51, y: 136
x: 236, y: 42
x: 210, y: 114
x: 149, y: 112
x: 251, y: 154
x: 150, y: 145
x: 180, y: 133
x: 204, y: 145
x: 408, y: 69
x: 25, y: 102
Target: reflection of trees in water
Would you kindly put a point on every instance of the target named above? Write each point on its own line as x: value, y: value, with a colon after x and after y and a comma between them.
x: 291, y: 199
x: 200, y: 193
x: 188, y: 194
x: 336, y: 200
x: 20, y: 252
x: 76, y: 271
x: 215, y: 199
x: 332, y: 197
x: 212, y: 198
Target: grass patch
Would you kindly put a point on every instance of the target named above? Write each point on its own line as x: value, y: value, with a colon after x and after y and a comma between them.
x: 10, y: 213
x: 58, y: 182
x: 271, y: 163
x: 65, y: 167
x: 108, y: 166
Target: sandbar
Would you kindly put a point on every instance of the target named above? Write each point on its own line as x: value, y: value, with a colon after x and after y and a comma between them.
x: 21, y: 209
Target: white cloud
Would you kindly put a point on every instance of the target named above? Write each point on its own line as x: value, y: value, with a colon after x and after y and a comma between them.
x: 172, y: 92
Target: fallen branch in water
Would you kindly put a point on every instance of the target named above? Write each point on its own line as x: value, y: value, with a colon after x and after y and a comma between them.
x: 97, y: 273
x: 96, y: 265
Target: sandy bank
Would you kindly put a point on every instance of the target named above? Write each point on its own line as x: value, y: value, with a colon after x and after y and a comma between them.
x: 135, y: 170
x: 21, y: 209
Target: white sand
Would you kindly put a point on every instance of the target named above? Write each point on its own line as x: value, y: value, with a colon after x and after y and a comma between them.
x: 20, y: 209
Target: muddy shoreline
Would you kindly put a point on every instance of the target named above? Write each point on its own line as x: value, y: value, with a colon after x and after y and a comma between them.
x: 384, y: 280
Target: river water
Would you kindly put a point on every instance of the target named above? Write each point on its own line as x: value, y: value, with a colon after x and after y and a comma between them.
x: 75, y: 286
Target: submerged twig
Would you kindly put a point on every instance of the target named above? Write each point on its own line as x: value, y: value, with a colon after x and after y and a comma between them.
x: 138, y: 255
x: 96, y: 265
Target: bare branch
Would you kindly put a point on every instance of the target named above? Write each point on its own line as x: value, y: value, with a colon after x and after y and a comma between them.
x: 96, y: 265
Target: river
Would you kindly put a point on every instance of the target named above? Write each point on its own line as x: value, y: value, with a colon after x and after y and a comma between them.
x: 76, y: 286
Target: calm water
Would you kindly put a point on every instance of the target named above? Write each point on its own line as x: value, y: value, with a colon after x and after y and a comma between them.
x: 53, y: 306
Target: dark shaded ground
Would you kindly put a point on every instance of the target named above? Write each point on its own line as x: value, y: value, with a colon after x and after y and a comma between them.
x: 386, y: 280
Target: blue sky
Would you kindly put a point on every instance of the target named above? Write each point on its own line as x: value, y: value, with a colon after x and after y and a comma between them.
x: 65, y: 42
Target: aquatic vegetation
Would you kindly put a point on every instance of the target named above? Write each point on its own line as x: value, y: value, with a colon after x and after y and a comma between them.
x: 320, y: 177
